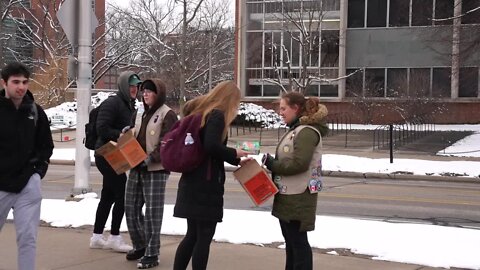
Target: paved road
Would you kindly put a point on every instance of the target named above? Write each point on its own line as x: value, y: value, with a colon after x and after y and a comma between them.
x: 444, y: 203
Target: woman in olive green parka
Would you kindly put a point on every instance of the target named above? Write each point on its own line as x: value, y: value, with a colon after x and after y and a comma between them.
x: 296, y: 170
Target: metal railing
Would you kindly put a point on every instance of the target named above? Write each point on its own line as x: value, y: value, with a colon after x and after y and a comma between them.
x: 338, y: 123
x: 398, y: 134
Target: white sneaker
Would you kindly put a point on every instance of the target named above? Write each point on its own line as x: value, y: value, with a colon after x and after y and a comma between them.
x: 97, y: 241
x: 117, y: 243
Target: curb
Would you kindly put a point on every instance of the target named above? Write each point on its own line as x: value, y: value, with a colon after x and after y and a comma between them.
x: 393, y: 176
x: 66, y: 162
x: 403, y: 176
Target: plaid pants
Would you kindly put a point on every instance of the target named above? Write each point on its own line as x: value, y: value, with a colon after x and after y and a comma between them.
x: 145, y: 188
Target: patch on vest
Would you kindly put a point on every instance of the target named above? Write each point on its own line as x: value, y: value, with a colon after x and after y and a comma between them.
x: 281, y: 188
x: 315, y: 184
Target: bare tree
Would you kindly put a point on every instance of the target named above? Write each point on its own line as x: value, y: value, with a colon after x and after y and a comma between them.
x: 302, y: 32
x: 183, y: 62
x: 46, y: 48
x: 38, y: 41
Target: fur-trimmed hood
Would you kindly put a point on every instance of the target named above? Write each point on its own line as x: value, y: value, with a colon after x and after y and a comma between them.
x: 316, y: 119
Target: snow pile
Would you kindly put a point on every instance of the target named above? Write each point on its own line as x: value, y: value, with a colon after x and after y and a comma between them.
x: 259, y: 116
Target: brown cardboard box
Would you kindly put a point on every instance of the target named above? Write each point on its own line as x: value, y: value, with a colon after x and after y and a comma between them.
x: 256, y: 182
x: 124, y: 154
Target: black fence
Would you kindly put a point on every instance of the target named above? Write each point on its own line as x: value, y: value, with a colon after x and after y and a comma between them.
x: 260, y: 123
x: 398, y: 134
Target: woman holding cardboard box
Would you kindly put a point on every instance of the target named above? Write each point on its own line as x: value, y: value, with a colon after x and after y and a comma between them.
x: 296, y: 171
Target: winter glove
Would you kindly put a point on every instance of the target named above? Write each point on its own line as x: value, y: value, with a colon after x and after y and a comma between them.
x: 267, y: 160
x: 144, y: 164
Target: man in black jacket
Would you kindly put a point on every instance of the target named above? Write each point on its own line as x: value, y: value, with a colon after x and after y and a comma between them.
x: 117, y: 112
x: 25, y: 148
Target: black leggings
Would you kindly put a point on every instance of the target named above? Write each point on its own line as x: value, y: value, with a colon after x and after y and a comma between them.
x: 195, y: 245
x: 297, y: 248
x: 113, y: 191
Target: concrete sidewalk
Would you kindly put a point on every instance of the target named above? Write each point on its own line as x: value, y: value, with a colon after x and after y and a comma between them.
x: 67, y: 248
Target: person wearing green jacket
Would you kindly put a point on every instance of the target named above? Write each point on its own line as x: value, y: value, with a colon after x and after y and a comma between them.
x: 296, y: 170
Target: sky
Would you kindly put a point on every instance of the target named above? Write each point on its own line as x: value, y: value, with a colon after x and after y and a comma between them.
x: 429, y: 245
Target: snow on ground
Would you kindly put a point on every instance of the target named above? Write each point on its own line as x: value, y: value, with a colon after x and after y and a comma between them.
x: 429, y: 245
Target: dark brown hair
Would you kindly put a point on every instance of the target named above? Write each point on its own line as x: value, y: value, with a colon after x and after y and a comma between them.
x: 306, y: 106
x: 295, y: 98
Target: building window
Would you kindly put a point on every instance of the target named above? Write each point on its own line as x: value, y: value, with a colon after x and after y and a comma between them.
x: 314, y: 49
x: 277, y: 49
x: 254, y: 55
x: 354, y: 83
x: 330, y: 5
x: 328, y: 90
x: 296, y: 49
x: 311, y: 90
x: 268, y: 49
x: 287, y: 49
x: 270, y: 90
x: 471, y: 17
x: 419, y: 82
x: 441, y: 82
x: 253, y: 90
x: 377, y: 13
x: 468, y: 85
x: 422, y: 11
x: 444, y: 10
x: 254, y: 73
x: 398, y: 14
x: 255, y: 16
x: 356, y: 13
x: 375, y: 82
x: 330, y: 48
x: 273, y: 7
x: 397, y: 82
x: 19, y: 46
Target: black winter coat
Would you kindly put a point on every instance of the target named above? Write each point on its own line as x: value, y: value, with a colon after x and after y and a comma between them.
x: 25, y: 147
x: 115, y: 113
x: 200, y: 196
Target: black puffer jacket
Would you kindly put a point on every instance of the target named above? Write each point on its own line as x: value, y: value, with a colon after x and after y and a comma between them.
x: 25, y: 147
x: 200, y: 196
x: 116, y: 112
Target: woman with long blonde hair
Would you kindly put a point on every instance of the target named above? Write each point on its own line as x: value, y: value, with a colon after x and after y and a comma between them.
x: 200, y: 192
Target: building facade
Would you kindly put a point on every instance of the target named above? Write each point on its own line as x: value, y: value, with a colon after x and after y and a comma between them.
x: 28, y: 35
x: 378, y: 60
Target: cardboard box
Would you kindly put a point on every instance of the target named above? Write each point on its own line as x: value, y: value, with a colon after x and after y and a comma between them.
x: 124, y: 154
x: 256, y: 182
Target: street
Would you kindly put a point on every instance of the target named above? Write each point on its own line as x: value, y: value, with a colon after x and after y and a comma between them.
x: 439, y: 203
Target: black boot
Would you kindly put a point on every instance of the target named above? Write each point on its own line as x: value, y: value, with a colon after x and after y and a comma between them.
x: 147, y: 262
x: 135, y: 254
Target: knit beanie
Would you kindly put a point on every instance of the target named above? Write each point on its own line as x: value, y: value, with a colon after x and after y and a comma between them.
x: 150, y: 86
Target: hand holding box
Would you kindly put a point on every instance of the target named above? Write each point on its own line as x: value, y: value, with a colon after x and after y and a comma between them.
x: 124, y: 154
x: 256, y: 182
